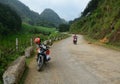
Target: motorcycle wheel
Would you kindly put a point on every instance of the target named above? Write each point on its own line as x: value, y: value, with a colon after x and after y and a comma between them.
x: 40, y: 63
x: 75, y: 42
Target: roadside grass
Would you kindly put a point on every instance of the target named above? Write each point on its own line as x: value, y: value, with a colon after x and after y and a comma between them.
x: 97, y: 42
x: 22, y: 80
x: 28, y: 60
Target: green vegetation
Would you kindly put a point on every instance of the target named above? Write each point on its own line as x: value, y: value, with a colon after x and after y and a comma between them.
x: 100, y: 21
x: 58, y: 35
x: 22, y: 10
x: 10, y: 22
x: 8, y: 51
x: 92, y: 5
x: 51, y: 18
x: 15, y: 23
x: 11, y: 27
x: 37, y: 29
x: 64, y: 27
x: 28, y: 60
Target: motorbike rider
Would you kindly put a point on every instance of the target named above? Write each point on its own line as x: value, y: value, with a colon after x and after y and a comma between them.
x: 39, y: 45
x: 74, y: 38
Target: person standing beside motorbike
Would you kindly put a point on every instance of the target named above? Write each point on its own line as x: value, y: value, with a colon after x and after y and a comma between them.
x: 75, y: 39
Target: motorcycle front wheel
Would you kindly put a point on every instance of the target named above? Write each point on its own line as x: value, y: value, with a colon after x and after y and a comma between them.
x: 75, y: 42
x: 40, y: 62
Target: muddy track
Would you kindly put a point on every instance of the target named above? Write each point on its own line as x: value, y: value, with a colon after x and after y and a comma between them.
x: 77, y: 64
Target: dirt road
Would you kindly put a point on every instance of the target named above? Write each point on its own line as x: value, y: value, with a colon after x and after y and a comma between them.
x: 77, y: 64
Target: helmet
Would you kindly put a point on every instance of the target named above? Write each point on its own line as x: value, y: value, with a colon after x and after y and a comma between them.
x: 37, y: 40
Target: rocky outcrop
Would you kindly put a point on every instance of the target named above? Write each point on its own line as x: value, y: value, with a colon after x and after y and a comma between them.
x: 29, y: 51
x: 14, y: 72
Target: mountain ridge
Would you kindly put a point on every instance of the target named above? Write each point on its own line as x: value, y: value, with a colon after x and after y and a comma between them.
x: 51, y: 16
x: 30, y: 16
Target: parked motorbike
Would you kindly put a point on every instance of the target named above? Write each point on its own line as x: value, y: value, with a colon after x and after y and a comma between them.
x: 42, y: 57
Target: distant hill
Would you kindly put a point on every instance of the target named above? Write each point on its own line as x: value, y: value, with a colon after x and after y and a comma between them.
x: 48, y: 15
x: 100, y: 20
x: 47, y: 18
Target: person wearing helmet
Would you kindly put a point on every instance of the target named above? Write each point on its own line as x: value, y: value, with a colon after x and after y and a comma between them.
x: 37, y: 40
x: 39, y: 45
x: 75, y: 39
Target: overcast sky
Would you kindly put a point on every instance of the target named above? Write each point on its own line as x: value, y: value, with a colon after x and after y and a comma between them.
x: 67, y: 9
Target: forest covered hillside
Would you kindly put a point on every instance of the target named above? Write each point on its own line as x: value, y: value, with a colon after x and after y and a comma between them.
x: 10, y: 22
x: 100, y: 20
x: 26, y: 14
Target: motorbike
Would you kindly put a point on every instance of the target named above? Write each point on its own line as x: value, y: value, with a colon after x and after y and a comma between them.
x: 42, y: 58
x: 75, y: 41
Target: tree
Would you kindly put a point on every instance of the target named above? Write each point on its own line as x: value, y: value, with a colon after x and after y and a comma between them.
x: 10, y: 22
x: 92, y: 5
x: 63, y: 27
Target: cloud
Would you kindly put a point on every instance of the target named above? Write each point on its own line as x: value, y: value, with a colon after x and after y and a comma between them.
x: 67, y: 9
